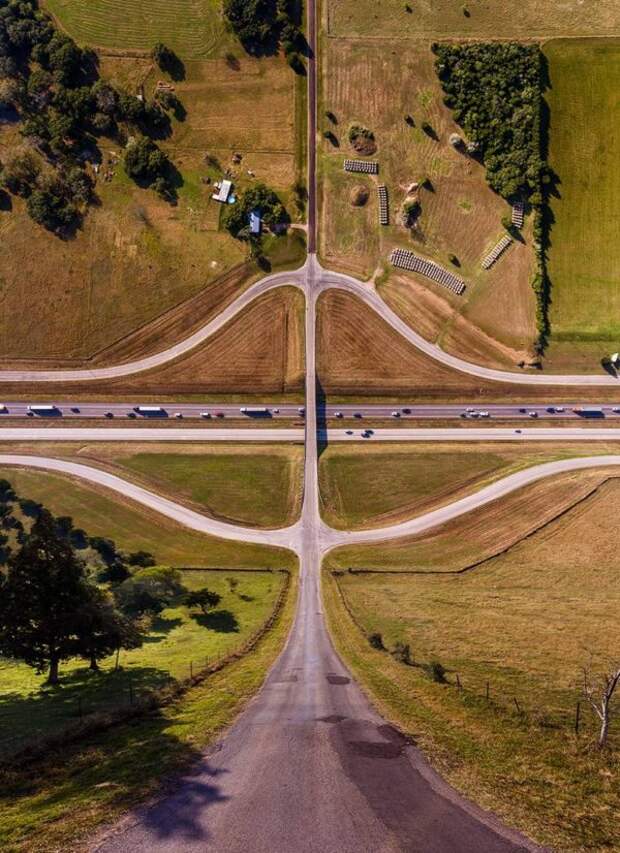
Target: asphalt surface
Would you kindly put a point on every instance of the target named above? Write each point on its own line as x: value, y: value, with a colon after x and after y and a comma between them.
x: 230, y: 434
x: 77, y: 410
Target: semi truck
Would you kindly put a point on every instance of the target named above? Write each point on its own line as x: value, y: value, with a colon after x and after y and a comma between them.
x: 255, y: 412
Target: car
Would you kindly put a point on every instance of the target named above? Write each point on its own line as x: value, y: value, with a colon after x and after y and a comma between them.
x: 406, y: 411
x: 349, y: 432
x: 532, y: 414
x: 616, y: 409
x: 75, y: 410
x: 395, y: 414
x: 484, y: 414
x: 276, y: 411
x: 551, y: 410
x: 559, y: 409
x: 220, y: 415
x: 30, y: 414
x: 357, y: 415
x: 205, y: 414
x: 366, y: 433
x: 519, y: 430
x: 109, y: 414
x: 523, y: 411
x: 469, y: 410
x: 301, y: 410
x: 178, y: 414
x: 370, y: 431
x: 339, y: 414
x: 131, y: 414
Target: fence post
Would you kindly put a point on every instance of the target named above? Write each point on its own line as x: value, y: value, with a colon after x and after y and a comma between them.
x: 458, y: 682
x: 487, y: 691
x: 191, y: 669
x: 517, y: 705
x: 577, y: 718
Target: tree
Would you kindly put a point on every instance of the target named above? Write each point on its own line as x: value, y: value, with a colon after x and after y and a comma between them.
x: 168, y: 61
x: 254, y: 23
x: 41, y: 600
x: 148, y: 591
x: 141, y: 558
x: 21, y: 171
x: 598, y: 690
x: 258, y: 197
x: 144, y: 161
x: 203, y: 598
x: 50, y: 208
x: 103, y: 630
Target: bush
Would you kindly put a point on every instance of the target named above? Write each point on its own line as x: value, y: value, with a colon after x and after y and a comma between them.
x: 402, y: 653
x: 376, y: 641
x: 50, y: 208
x: 437, y: 672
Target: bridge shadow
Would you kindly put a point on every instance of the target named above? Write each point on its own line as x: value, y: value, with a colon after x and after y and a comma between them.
x: 321, y: 418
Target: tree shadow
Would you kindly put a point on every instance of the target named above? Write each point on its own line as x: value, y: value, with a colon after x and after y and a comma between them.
x: 245, y: 597
x: 222, y: 621
x: 160, y: 627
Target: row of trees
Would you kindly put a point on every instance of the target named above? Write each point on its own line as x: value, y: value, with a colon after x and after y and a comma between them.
x: 54, y: 607
x: 54, y: 88
x: 495, y: 91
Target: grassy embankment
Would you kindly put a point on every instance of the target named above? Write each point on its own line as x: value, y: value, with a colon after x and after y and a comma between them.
x: 375, y: 485
x: 525, y: 621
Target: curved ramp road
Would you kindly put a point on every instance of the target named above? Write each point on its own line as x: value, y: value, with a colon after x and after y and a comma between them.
x: 312, y: 279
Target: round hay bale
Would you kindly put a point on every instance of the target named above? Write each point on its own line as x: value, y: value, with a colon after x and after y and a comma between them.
x: 359, y: 196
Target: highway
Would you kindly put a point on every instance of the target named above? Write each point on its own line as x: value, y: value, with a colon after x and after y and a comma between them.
x: 78, y: 410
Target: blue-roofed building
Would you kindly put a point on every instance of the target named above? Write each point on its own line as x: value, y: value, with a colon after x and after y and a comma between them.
x: 255, y: 222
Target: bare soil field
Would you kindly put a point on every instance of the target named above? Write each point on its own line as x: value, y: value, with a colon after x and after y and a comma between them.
x: 376, y: 485
x: 260, y: 351
x: 136, y: 257
x: 359, y: 354
x: 394, y: 93
x: 479, y: 19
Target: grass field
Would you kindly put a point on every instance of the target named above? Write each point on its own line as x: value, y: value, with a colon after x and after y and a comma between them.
x: 584, y: 260
x: 258, y: 486
x: 194, y: 28
x: 55, y: 804
x: 484, y: 18
x: 526, y: 622
x: 134, y: 528
x: 460, y: 214
x: 373, y: 486
x: 176, y: 638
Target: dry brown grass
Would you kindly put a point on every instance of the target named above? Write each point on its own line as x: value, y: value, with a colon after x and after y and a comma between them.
x: 377, y: 84
x: 261, y: 351
x: 478, y: 535
x: 359, y: 354
x: 136, y: 258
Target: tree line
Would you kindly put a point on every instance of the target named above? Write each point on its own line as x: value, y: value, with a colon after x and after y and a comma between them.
x: 54, y: 606
x: 53, y: 87
x: 495, y: 91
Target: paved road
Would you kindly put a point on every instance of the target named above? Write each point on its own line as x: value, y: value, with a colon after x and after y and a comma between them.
x: 401, y: 434
x: 77, y: 410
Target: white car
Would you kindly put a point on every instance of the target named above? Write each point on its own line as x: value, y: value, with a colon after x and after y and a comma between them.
x: 178, y: 414
x: 205, y: 414
x: 339, y: 414
x: 395, y: 414
x: 532, y: 414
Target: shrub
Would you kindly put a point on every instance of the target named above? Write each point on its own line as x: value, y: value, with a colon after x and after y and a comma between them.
x: 49, y: 207
x: 144, y: 161
x: 437, y: 672
x: 376, y: 641
x: 402, y: 653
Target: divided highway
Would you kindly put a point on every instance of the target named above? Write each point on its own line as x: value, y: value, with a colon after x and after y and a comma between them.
x: 77, y: 410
